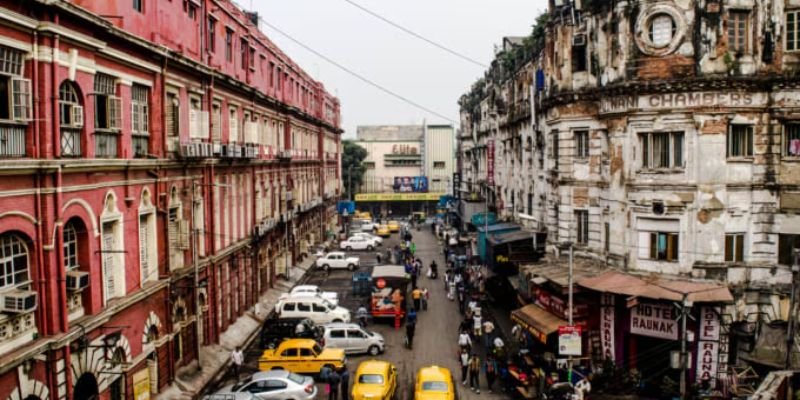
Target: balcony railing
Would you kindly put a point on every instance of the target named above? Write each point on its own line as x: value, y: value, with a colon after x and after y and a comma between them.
x: 12, y: 141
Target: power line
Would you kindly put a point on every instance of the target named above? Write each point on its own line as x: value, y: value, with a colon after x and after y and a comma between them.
x: 357, y: 75
x: 416, y: 35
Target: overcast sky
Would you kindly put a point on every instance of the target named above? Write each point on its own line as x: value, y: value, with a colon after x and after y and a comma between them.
x: 380, y: 52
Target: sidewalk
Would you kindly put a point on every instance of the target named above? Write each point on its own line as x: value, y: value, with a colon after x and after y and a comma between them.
x: 190, y: 382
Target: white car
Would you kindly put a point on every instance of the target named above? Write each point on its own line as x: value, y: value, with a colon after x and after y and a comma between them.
x: 337, y: 260
x: 315, y: 308
x: 271, y: 385
x: 357, y: 243
x: 378, y: 240
x: 312, y: 290
x: 368, y: 226
x: 353, y: 339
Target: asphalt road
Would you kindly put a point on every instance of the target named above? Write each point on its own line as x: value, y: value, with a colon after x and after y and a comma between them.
x: 436, y: 336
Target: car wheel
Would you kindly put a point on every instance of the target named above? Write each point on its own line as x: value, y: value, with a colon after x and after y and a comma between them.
x: 326, y: 267
x: 374, y: 350
x: 348, y: 248
x: 351, y: 267
x: 370, y: 248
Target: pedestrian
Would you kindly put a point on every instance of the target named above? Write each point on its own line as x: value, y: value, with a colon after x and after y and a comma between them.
x: 362, y: 314
x: 474, y: 373
x: 477, y: 324
x: 334, y: 379
x: 413, y: 248
x: 410, y: 328
x: 324, y: 374
x: 413, y: 277
x: 378, y: 257
x: 488, y: 332
x: 411, y: 318
x: 416, y: 296
x: 345, y: 382
x: 490, y: 368
x: 237, y: 359
x: 425, y: 296
x: 463, y: 359
x: 464, y: 341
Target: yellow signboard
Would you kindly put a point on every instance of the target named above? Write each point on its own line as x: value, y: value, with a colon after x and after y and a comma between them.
x: 399, y: 196
x: 141, y: 385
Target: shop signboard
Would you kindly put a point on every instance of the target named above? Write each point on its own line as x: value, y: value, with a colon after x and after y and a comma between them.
x: 558, y: 306
x: 708, y: 345
x: 569, y: 340
x: 457, y: 185
x: 490, y: 162
x: 141, y: 385
x: 607, y: 326
x: 654, y: 320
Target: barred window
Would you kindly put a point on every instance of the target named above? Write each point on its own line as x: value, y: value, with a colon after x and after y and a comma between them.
x: 13, y: 261
x: 791, y: 133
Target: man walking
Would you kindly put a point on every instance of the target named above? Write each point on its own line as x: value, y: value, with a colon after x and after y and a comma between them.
x: 416, y: 295
x: 474, y: 373
x: 333, y: 382
x: 490, y: 367
x: 463, y: 359
x: 411, y: 326
x: 345, y: 382
x: 237, y: 359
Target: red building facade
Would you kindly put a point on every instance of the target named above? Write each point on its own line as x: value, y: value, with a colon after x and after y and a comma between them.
x: 162, y: 163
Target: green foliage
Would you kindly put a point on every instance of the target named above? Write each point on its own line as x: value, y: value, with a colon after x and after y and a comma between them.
x: 353, y: 156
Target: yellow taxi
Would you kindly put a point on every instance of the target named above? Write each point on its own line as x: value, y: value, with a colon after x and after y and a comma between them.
x: 394, y: 226
x: 301, y: 356
x: 434, y: 383
x: 363, y: 215
x: 374, y: 380
x: 383, y: 231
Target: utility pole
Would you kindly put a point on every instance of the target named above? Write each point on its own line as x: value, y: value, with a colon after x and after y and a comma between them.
x: 569, y: 304
x: 196, y: 265
x: 350, y: 182
x: 685, y: 305
x: 790, y: 331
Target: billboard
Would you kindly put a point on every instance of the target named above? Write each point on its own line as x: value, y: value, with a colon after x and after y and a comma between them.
x: 410, y: 184
x: 398, y: 196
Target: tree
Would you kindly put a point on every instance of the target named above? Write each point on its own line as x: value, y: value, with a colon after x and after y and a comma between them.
x: 353, y: 156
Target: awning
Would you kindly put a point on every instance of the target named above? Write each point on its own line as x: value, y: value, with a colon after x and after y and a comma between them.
x: 509, y: 237
x: 537, y: 321
x: 557, y: 271
x: 658, y: 287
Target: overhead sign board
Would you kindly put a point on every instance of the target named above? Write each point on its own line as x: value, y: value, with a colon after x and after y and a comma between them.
x: 398, y: 196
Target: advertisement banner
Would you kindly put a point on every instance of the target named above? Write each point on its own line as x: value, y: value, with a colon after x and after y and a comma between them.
x: 410, y: 184
x: 569, y: 340
x: 457, y: 185
x: 398, y: 196
x: 141, y: 385
x: 490, y: 162
x: 607, y: 326
x: 655, y: 320
x: 709, y: 323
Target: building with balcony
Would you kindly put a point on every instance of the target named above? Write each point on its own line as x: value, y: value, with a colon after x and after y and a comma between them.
x: 397, y: 157
x: 163, y: 164
x: 662, y: 148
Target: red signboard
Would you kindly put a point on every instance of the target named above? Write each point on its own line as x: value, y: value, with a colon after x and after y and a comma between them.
x: 490, y: 162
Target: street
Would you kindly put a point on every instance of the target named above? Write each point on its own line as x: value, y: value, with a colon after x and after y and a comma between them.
x: 435, y: 342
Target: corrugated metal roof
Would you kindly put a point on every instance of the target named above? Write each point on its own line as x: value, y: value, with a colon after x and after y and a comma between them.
x: 539, y: 319
x: 557, y: 271
x: 508, y: 237
x: 657, y: 287
x: 499, y: 227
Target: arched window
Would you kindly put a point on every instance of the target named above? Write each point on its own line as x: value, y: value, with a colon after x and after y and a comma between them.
x: 71, y: 117
x: 13, y: 261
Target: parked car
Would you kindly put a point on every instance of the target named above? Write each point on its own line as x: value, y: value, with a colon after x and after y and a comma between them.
x: 434, y: 383
x: 276, y: 330
x: 383, y: 231
x: 301, y: 356
x: 274, y: 385
x: 312, y: 290
x: 364, y: 234
x: 230, y: 396
x: 368, y: 226
x: 337, y: 260
x: 316, y: 308
x: 352, y: 338
x: 357, y: 243
x: 375, y: 380
x: 393, y: 226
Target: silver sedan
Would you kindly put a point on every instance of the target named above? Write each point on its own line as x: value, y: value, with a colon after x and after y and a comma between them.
x: 277, y: 384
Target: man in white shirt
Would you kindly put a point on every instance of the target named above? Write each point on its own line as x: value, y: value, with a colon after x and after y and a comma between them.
x: 237, y: 359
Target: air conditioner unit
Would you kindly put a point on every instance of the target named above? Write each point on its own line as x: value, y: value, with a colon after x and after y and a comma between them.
x: 18, y: 301
x: 77, y: 280
x: 579, y: 40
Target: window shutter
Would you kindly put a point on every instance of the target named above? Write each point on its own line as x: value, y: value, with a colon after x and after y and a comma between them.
x: 728, y: 247
x: 108, y: 262
x: 21, y: 97
x: 739, y: 255
x: 194, y: 123
x: 77, y: 116
x: 183, y: 240
x: 172, y: 228
x: 653, y: 246
x: 144, y: 124
x: 672, y: 247
x: 234, y: 133
x: 204, y: 129
x: 169, y: 116
x: 217, y: 120
x: 134, y: 118
x: 143, y: 248
x: 114, y: 112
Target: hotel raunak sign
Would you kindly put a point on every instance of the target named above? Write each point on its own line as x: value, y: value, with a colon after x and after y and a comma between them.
x: 655, y: 320
x: 669, y: 101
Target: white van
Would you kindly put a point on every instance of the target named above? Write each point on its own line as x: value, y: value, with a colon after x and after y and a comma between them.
x: 353, y: 339
x: 315, y: 308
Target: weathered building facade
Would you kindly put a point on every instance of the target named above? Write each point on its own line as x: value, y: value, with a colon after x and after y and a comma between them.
x: 665, y: 141
x: 163, y: 164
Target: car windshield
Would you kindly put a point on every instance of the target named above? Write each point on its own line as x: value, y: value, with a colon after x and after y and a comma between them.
x: 239, y: 385
x: 434, y: 386
x: 317, y: 349
x: 298, y: 379
x: 370, y: 378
